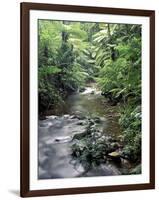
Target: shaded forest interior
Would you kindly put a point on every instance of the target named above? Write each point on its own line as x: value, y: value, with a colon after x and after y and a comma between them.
x: 72, y: 55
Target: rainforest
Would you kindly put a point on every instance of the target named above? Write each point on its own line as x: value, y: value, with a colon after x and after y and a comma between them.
x: 89, y: 99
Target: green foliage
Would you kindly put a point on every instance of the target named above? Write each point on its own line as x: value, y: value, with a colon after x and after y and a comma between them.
x: 49, y: 70
x: 64, y: 59
x: 70, y: 54
x: 131, y: 122
x: 122, y: 73
x: 119, y: 55
x: 91, y: 151
x: 48, y: 96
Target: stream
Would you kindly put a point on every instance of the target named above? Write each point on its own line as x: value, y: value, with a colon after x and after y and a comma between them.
x: 57, y: 131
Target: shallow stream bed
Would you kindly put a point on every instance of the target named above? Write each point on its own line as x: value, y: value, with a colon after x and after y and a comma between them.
x: 57, y: 132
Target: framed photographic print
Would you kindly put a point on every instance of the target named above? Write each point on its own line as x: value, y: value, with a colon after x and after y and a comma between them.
x: 87, y: 99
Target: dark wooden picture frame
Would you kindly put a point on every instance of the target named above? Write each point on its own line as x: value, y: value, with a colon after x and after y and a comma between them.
x: 25, y: 75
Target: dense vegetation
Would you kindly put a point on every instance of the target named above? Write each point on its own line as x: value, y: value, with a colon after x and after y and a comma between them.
x: 72, y: 54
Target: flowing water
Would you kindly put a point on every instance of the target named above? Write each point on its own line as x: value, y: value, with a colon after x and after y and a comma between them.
x: 56, y: 134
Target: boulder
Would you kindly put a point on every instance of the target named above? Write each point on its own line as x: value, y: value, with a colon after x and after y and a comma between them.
x: 97, y: 120
x: 66, y: 116
x: 52, y: 117
x: 93, y: 92
x: 81, y: 117
x: 82, y: 123
x: 73, y: 117
x: 57, y: 140
x: 115, y: 156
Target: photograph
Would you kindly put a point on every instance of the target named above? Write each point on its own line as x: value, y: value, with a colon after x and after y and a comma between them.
x: 89, y: 99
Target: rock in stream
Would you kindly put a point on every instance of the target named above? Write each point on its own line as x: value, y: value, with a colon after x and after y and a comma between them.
x: 56, y: 135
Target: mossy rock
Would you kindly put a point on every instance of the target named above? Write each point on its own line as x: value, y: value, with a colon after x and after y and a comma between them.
x: 115, y: 156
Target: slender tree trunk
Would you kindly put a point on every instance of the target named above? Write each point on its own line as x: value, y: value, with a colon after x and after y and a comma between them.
x: 112, y: 51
